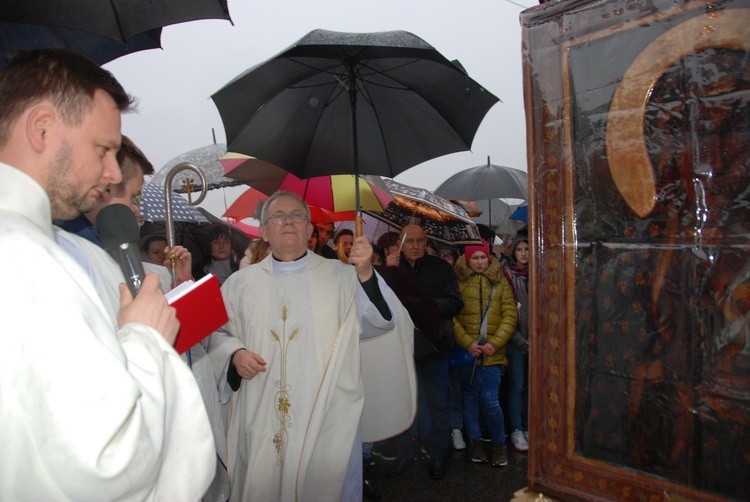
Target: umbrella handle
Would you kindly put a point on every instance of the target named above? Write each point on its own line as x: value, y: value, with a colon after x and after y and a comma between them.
x: 357, y: 233
x: 183, y: 166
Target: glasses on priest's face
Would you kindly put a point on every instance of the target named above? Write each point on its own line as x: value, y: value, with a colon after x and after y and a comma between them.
x: 280, y: 218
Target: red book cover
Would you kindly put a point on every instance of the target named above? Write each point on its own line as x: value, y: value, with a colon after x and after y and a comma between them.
x: 200, y: 310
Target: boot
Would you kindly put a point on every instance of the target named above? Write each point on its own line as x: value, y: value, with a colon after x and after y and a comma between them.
x: 499, y: 455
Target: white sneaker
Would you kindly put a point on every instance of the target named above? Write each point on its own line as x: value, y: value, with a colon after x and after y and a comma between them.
x: 458, y: 439
x: 526, y: 435
x: 519, y: 442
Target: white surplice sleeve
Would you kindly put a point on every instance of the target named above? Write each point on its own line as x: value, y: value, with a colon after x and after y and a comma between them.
x: 371, y: 321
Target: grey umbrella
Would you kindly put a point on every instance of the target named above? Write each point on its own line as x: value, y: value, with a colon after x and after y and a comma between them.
x: 352, y: 103
x: 496, y: 214
x: 485, y: 182
x: 153, y: 206
x: 207, y: 158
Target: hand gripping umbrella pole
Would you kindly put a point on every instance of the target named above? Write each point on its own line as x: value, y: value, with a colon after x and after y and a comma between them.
x: 184, y: 166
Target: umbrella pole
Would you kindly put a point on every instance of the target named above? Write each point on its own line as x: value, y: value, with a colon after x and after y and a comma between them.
x: 355, y: 145
x: 358, y: 213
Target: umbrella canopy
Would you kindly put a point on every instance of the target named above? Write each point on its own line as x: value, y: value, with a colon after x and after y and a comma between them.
x: 119, y: 20
x: 323, y: 189
x: 485, y: 182
x: 101, y: 31
x: 153, y: 206
x: 205, y: 157
x: 441, y: 219
x: 15, y: 37
x: 337, y: 103
x: 496, y: 214
x: 195, y: 237
x: 521, y: 214
x: 338, y: 193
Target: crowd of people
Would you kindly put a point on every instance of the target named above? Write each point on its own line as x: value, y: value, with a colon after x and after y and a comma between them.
x: 270, y: 407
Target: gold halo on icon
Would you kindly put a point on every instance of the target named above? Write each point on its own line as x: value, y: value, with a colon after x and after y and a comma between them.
x: 629, y: 163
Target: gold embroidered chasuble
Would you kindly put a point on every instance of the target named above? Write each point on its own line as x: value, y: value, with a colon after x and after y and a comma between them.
x: 291, y: 429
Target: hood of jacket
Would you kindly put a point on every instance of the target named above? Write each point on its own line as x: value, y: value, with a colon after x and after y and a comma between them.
x: 494, y: 272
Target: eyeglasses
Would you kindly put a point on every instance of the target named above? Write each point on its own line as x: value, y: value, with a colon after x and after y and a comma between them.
x: 280, y: 218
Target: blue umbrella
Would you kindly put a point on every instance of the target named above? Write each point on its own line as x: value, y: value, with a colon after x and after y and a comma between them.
x: 521, y: 214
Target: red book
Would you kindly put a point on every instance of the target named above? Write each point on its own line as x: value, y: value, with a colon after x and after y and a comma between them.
x: 200, y: 310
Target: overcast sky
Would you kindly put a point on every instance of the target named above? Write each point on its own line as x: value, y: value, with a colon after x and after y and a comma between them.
x: 173, y: 85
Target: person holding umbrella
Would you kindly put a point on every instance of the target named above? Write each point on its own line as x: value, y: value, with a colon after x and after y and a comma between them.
x: 293, y: 360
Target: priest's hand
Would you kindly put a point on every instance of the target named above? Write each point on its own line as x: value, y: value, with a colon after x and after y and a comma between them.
x: 184, y: 262
x: 149, y: 307
x: 361, y: 257
x: 248, y: 363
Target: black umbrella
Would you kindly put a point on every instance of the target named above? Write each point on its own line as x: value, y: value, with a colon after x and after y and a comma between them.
x: 119, y: 20
x: 351, y: 103
x: 195, y: 236
x: 100, y: 30
x: 100, y: 49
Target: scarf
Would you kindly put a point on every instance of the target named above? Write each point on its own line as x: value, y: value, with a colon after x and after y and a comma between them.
x: 518, y: 275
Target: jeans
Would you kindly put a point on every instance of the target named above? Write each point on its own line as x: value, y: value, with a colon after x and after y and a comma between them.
x: 432, y: 380
x: 366, y: 452
x: 480, y: 386
x: 518, y: 390
x: 457, y: 414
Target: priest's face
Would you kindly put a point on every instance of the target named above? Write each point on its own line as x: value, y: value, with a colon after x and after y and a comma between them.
x: 84, y: 164
x: 285, y: 230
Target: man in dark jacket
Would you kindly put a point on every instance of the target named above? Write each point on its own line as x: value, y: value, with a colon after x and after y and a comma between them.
x: 437, y: 279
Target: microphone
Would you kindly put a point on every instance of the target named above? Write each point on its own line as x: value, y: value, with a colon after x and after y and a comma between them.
x: 119, y: 233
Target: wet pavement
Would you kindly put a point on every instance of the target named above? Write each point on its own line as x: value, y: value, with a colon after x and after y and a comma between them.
x: 465, y: 481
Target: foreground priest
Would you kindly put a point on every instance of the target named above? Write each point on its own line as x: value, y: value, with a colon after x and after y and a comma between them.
x: 291, y: 350
x: 89, y: 410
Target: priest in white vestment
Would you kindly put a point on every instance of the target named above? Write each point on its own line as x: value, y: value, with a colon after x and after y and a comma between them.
x: 89, y: 411
x: 291, y: 350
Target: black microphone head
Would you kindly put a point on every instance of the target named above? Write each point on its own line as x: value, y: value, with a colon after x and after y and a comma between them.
x: 116, y: 225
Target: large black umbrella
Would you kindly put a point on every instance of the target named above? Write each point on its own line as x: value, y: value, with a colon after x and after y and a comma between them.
x: 100, y: 30
x: 352, y: 103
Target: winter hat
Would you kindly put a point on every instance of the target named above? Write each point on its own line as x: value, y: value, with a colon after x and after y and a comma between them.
x: 470, y: 250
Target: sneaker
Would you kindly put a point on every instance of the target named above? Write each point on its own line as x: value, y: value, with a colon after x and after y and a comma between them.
x: 477, y: 452
x: 499, y: 455
x: 519, y: 441
x: 526, y: 435
x: 458, y: 440
x: 385, y: 450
